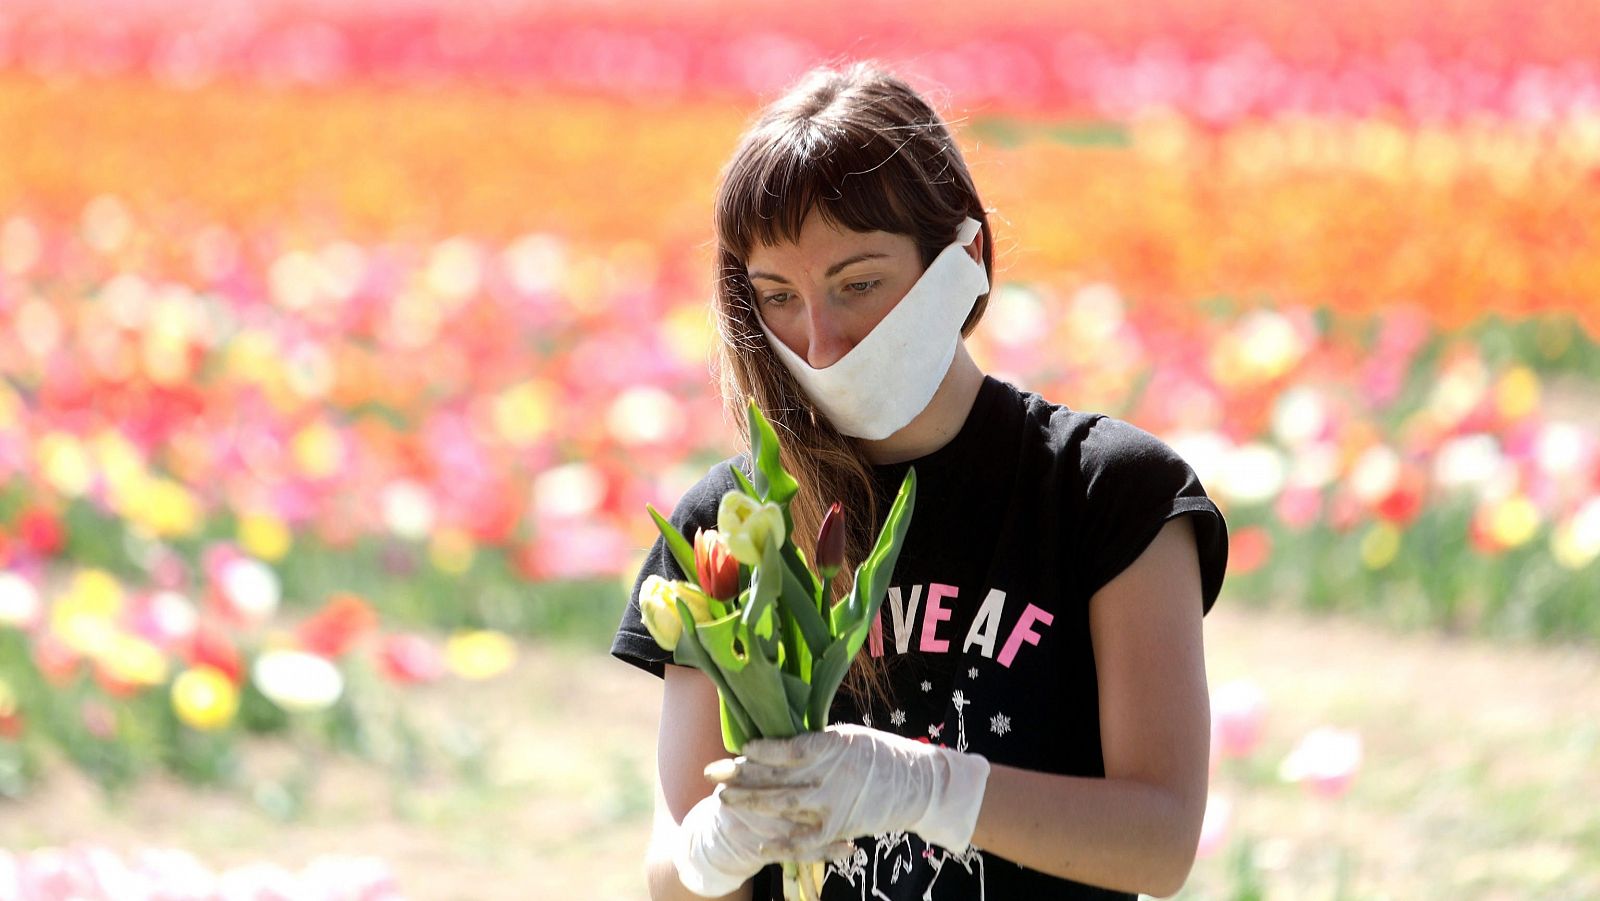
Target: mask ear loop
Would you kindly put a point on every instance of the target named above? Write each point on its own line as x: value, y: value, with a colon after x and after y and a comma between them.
x: 968, y: 230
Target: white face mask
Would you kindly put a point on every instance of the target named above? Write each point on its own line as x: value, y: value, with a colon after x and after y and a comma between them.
x: 890, y: 376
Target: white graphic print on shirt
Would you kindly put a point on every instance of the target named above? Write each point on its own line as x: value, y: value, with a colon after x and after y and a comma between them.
x: 878, y: 866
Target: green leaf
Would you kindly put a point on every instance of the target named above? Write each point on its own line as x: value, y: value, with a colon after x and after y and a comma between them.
x: 795, y: 560
x: 718, y: 637
x: 798, y: 691
x: 853, y: 616
x: 744, y: 483
x: 826, y: 675
x: 800, y: 604
x: 691, y: 652
x: 733, y: 734
x: 766, y: 583
x: 682, y: 550
x: 754, y: 680
x: 774, y: 482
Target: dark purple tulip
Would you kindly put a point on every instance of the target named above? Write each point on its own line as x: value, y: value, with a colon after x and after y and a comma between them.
x: 830, y: 542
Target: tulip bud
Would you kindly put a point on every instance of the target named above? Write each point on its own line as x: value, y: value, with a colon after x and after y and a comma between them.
x: 714, y: 565
x: 830, y: 542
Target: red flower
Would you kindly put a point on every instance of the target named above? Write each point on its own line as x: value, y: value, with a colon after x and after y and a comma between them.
x: 210, y: 647
x: 57, y: 662
x: 332, y: 630
x: 715, y: 567
x: 410, y: 659
x: 1248, y: 549
x: 41, y: 532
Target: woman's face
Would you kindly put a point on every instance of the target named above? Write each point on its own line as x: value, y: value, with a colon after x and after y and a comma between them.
x: 826, y: 291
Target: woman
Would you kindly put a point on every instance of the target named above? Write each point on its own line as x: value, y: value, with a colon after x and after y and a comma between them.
x: 1032, y: 720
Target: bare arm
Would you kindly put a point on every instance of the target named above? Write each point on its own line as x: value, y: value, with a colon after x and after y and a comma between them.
x: 690, y: 737
x: 1136, y: 829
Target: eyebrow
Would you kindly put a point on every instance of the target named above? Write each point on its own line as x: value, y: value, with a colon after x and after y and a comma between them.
x: 833, y: 270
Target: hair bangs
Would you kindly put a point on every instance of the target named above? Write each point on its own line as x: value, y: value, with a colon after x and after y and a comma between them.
x: 788, y: 169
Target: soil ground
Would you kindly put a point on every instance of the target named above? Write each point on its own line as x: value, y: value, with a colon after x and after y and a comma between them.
x: 1478, y: 780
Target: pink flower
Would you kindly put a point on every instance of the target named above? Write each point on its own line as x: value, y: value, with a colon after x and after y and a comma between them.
x: 1237, y: 711
x: 410, y: 659
x: 1214, y: 829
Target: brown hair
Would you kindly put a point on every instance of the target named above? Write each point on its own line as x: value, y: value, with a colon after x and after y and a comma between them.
x: 864, y: 150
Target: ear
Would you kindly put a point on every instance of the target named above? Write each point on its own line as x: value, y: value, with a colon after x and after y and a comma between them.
x: 975, y: 249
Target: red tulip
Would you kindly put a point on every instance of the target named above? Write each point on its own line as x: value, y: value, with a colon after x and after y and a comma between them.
x: 714, y: 565
x: 41, y: 531
x: 830, y: 542
x: 342, y: 620
x: 210, y: 647
x: 1250, y: 547
x: 57, y: 662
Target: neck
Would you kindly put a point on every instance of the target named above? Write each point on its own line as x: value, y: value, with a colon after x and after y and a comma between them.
x: 936, y: 425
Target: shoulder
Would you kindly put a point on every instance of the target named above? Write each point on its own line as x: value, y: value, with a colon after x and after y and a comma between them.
x: 1097, y: 446
x: 698, y: 505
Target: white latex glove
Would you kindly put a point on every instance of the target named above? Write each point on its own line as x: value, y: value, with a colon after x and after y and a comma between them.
x: 858, y: 781
x: 718, y: 846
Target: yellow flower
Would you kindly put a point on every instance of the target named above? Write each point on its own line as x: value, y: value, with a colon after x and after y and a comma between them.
x: 264, y: 535
x: 658, y: 608
x: 204, y: 698
x: 482, y: 654
x: 747, y: 525
x: 133, y: 660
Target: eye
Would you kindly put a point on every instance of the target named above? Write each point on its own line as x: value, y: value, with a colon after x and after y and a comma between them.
x: 862, y: 287
x: 775, y: 300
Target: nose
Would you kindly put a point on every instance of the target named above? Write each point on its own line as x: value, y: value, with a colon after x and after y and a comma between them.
x: 826, y: 338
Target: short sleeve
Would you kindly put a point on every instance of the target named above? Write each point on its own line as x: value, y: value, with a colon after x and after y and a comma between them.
x: 696, y: 510
x: 1133, y: 484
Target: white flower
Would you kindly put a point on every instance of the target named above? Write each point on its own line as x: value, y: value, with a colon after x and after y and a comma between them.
x: 408, y: 509
x: 1000, y: 724
x: 747, y: 525
x: 1253, y: 473
x: 251, y: 587
x: 19, y: 601
x: 1375, y: 474
x: 1325, y: 760
x: 298, y: 681
x: 898, y: 717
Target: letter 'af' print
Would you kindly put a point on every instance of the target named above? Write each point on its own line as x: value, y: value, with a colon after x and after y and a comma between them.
x: 895, y: 854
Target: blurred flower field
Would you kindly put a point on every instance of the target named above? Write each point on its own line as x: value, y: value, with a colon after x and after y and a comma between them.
x: 342, y: 349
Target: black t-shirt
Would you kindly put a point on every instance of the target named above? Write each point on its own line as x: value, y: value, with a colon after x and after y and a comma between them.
x: 1019, y: 520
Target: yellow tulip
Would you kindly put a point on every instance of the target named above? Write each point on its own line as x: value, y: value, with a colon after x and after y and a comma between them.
x: 747, y: 525
x: 658, y: 608
x: 204, y: 698
x: 481, y: 654
x: 133, y: 660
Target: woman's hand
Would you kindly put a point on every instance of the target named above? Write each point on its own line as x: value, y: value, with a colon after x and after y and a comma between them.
x: 720, y: 846
x: 851, y: 781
